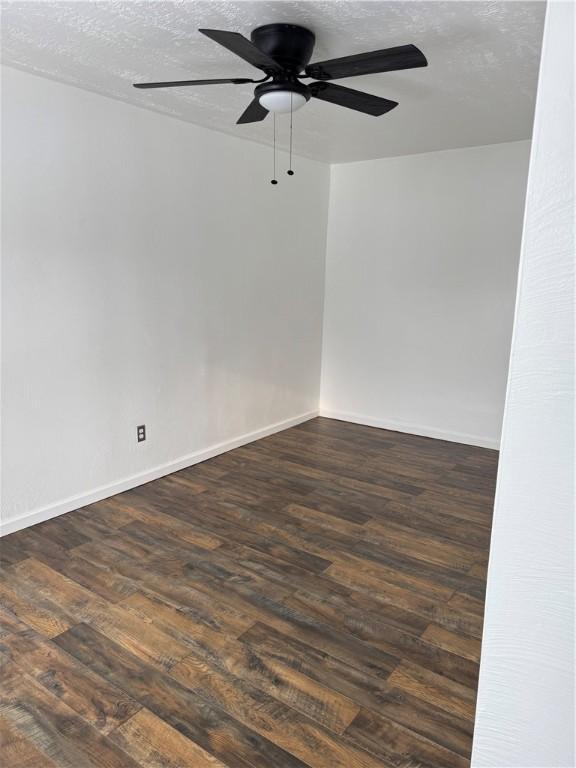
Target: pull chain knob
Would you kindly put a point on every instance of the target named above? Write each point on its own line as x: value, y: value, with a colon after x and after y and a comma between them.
x: 290, y: 172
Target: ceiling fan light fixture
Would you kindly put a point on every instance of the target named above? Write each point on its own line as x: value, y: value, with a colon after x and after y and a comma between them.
x: 282, y: 101
x: 282, y: 52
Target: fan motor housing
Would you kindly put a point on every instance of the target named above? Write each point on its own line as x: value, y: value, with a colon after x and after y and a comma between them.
x: 288, y: 44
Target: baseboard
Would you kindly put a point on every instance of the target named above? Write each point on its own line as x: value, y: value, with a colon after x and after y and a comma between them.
x: 413, y: 429
x: 105, y: 491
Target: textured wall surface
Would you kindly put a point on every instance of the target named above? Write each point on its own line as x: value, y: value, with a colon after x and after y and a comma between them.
x: 151, y: 275
x: 479, y: 88
x: 420, y: 283
x: 525, y: 714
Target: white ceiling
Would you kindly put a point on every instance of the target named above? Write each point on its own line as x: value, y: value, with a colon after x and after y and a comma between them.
x: 479, y: 87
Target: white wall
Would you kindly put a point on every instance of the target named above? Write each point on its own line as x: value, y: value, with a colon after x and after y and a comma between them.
x: 525, y: 712
x: 420, y: 283
x: 151, y: 275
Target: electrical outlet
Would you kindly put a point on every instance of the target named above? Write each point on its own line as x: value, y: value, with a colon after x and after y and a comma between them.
x: 141, y: 432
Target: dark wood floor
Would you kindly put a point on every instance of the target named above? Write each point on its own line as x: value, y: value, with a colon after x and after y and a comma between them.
x: 313, y: 599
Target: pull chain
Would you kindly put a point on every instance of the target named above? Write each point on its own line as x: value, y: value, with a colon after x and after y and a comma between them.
x: 274, y: 181
x: 290, y: 172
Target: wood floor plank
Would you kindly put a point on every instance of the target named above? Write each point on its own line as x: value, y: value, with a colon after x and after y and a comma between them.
x: 112, y: 513
x: 279, y: 571
x: 472, y: 508
x: 466, y: 647
x: 53, y: 728
x: 358, y: 685
x: 318, y: 702
x: 262, y: 533
x: 341, y: 644
x: 370, y: 693
x: 415, y: 515
x: 381, y: 571
x: 437, y: 689
x: 310, y: 600
x: 374, y: 584
x: 479, y: 570
x: 419, y: 717
x: 17, y: 751
x: 452, y: 618
x: 103, y: 581
x: 198, y: 619
x: 154, y: 744
x: 141, y: 637
x: 332, y: 465
x: 67, y: 594
x: 10, y: 623
x: 27, y: 543
x: 356, y: 611
x: 174, y: 527
x: 298, y: 735
x: 422, y: 546
x: 208, y: 726
x: 33, y: 610
x: 98, y: 702
x: 220, y: 648
x: 467, y: 604
x: 217, y: 615
x: 10, y: 552
x: 389, y: 638
x: 397, y: 745
x: 434, y: 573
x: 213, y: 563
x: 62, y: 532
x: 330, y: 523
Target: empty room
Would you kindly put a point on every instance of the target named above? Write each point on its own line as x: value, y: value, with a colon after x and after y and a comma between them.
x: 287, y: 384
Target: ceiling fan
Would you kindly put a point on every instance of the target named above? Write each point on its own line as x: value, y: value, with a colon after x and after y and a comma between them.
x: 282, y: 52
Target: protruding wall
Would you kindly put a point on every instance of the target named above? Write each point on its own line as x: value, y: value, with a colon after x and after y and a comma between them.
x: 525, y: 713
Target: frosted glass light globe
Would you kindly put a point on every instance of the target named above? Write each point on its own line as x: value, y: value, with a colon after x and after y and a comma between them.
x: 279, y: 101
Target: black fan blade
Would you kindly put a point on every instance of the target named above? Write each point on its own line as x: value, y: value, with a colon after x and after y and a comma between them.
x: 253, y: 113
x: 387, y: 60
x: 180, y: 83
x: 347, y: 97
x: 242, y: 47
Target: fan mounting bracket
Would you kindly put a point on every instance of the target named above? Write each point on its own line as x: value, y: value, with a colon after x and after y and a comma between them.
x: 288, y: 44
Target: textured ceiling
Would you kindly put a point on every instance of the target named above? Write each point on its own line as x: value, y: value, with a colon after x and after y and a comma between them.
x: 479, y: 87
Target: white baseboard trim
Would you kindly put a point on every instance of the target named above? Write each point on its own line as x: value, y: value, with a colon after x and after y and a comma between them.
x: 413, y: 429
x: 105, y: 491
